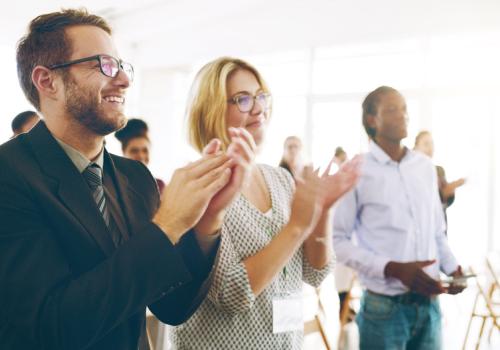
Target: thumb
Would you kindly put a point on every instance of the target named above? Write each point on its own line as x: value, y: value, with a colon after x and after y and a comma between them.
x: 425, y: 263
x: 212, y: 147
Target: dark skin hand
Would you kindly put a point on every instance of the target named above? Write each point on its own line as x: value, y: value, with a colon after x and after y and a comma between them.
x: 412, y: 275
x: 456, y: 288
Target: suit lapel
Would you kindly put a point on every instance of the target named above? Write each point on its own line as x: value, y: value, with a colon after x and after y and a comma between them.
x: 132, y: 203
x: 70, y: 185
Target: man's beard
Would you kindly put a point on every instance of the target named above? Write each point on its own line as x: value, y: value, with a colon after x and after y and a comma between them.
x: 83, y: 105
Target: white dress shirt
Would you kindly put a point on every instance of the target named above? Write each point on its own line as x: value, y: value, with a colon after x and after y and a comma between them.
x: 396, y: 215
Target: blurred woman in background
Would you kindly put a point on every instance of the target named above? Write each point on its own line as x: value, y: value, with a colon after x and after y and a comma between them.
x: 292, y: 159
x: 425, y: 144
x: 135, y: 143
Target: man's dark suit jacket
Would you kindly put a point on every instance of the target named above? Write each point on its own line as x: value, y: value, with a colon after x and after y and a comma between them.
x: 63, y: 284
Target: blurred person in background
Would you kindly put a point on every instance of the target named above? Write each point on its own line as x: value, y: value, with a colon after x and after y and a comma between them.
x: 344, y: 276
x: 136, y: 145
x: 275, y: 234
x: 425, y: 144
x: 292, y: 159
x: 396, y: 216
x: 340, y: 156
x: 24, y: 122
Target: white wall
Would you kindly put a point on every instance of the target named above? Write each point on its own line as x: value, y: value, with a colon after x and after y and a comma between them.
x: 12, y: 99
x: 162, y: 105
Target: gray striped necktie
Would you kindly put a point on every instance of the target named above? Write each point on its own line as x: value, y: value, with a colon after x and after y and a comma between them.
x: 93, y: 175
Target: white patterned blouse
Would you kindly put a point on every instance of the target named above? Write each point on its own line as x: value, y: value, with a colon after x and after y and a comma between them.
x: 231, y: 317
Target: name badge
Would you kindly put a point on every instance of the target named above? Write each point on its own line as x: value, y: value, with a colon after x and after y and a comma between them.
x: 288, y: 314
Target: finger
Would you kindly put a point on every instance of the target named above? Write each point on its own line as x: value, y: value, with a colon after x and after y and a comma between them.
x: 344, y: 175
x: 238, y: 160
x: 352, y: 165
x: 307, y: 173
x: 460, y: 182
x: 199, y: 161
x: 240, y: 147
x: 233, y: 131
x: 218, y: 183
x: 430, y: 285
x: 421, y: 289
x: 212, y: 147
x: 213, y: 174
x: 245, y: 135
x: 425, y: 263
x: 347, y: 167
x: 455, y: 289
x: 204, y: 165
x: 451, y: 290
x: 311, y: 178
x: 350, y: 180
x: 427, y: 290
x: 436, y: 286
x: 424, y: 287
x: 328, y: 167
x: 357, y: 160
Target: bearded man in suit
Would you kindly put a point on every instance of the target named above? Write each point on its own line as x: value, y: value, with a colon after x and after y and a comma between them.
x: 85, y: 243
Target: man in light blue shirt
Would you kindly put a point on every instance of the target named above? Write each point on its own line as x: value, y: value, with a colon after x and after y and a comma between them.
x: 396, y: 215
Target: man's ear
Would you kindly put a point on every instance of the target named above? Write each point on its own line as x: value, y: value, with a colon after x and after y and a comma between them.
x: 370, y: 121
x: 45, y: 82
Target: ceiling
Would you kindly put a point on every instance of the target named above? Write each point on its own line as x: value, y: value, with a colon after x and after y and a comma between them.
x: 174, y: 32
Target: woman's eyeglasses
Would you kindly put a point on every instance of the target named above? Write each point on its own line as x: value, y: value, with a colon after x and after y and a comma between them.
x: 246, y: 102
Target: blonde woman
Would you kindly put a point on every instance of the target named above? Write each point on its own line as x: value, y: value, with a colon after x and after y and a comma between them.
x: 275, y: 233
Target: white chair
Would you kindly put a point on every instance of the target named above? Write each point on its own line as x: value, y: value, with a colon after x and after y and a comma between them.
x: 485, y: 308
x: 316, y: 325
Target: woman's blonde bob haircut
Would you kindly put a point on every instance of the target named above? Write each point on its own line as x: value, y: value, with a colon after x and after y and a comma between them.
x: 207, y: 104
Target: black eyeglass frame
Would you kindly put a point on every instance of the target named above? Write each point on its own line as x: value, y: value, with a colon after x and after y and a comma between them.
x: 99, y: 59
x: 234, y: 100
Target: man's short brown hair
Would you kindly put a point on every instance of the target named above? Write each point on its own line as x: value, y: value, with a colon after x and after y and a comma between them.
x: 46, y: 43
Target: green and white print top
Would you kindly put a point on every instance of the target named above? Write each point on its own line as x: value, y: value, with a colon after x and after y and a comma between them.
x: 231, y: 317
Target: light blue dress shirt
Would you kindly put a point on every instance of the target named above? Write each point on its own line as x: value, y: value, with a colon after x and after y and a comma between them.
x: 394, y: 214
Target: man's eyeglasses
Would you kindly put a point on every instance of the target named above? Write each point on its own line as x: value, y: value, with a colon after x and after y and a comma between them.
x: 246, y: 102
x: 108, y: 65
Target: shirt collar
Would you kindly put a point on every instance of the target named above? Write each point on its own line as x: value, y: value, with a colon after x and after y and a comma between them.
x: 382, y: 157
x: 79, y: 160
